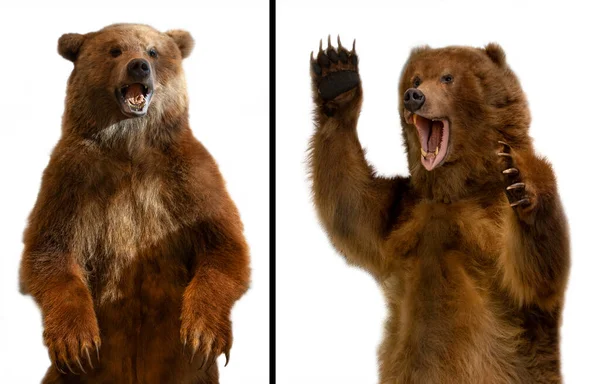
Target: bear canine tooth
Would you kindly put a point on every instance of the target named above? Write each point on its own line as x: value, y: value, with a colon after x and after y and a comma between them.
x: 423, y: 153
x: 437, y: 150
x: 415, y: 119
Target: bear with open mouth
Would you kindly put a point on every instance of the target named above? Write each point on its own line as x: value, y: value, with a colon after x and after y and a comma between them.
x: 471, y: 249
x: 134, y: 250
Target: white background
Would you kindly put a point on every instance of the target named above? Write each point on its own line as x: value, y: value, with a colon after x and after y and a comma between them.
x: 227, y: 76
x: 329, y: 315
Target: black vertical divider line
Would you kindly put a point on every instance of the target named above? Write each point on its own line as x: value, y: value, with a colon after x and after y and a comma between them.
x: 272, y: 355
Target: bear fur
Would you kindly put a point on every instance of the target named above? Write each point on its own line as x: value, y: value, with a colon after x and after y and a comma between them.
x: 134, y: 250
x: 473, y: 254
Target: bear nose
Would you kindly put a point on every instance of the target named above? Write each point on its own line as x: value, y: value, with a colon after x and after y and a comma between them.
x: 138, y: 69
x: 413, y: 99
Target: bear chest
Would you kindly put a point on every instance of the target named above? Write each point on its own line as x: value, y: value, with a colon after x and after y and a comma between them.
x: 441, y: 252
x: 130, y: 228
x: 124, y: 214
x: 432, y: 229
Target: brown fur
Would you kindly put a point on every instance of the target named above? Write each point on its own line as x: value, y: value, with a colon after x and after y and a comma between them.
x: 134, y: 245
x: 474, y: 287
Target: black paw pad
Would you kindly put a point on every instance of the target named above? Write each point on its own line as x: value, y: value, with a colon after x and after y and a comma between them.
x: 333, y: 56
x: 316, y: 69
x: 337, y: 83
x: 344, y: 57
x: 323, y: 61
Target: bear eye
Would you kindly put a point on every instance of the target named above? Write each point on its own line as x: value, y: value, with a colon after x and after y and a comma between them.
x: 446, y: 79
x: 115, y: 52
x: 416, y: 82
x: 152, y: 52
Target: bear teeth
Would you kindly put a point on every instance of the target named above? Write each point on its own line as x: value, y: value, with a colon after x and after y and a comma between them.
x: 137, y: 107
x: 425, y: 153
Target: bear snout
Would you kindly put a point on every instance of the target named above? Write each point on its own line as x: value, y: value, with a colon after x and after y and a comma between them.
x: 138, y: 69
x: 413, y: 99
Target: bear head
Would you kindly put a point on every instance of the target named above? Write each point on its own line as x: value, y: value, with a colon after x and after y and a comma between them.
x: 455, y: 104
x: 125, y: 71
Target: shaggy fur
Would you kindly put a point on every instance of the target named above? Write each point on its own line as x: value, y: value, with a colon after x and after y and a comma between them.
x: 134, y: 250
x: 474, y: 274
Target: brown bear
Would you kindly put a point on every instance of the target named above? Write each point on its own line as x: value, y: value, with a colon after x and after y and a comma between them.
x: 472, y: 249
x: 134, y: 250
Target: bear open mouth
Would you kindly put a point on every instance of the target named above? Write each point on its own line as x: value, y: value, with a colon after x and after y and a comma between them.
x: 134, y: 99
x: 434, y: 136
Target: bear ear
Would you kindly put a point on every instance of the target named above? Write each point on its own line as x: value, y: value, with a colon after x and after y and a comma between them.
x: 419, y: 49
x: 69, y: 44
x: 184, y: 41
x: 496, y: 53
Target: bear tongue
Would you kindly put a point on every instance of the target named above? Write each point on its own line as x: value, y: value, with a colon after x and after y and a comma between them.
x: 134, y: 94
x: 435, y: 136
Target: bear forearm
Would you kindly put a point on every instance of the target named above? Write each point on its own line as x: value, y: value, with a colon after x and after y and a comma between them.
x: 536, y: 260
x: 353, y: 205
x: 222, y: 267
x: 220, y: 279
x: 214, y: 291
x: 56, y: 283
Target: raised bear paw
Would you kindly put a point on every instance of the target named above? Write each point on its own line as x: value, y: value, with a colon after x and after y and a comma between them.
x: 335, y: 76
x: 70, y: 337
x: 206, y: 334
x: 520, y: 195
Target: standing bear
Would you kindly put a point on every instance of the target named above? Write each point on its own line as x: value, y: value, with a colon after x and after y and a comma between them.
x: 134, y: 250
x: 472, y: 249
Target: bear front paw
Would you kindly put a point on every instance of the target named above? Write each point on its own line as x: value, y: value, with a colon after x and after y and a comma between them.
x: 70, y: 337
x: 206, y: 334
x: 335, y: 76
x: 520, y: 195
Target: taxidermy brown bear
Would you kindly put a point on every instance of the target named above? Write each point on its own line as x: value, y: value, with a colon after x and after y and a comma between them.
x: 472, y: 249
x: 134, y: 250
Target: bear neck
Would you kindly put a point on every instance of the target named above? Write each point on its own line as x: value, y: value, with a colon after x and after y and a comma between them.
x: 128, y: 136
x: 458, y: 181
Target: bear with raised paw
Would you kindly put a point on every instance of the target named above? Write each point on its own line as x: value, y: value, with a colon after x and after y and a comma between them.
x: 472, y: 248
x: 134, y: 250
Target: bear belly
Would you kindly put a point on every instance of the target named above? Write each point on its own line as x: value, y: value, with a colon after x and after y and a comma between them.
x: 444, y: 327
x: 140, y: 331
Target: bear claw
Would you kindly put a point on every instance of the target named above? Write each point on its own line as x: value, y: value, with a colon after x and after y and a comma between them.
x: 520, y: 202
x: 70, y: 369
x: 80, y: 365
x: 89, y: 358
x: 515, y: 186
